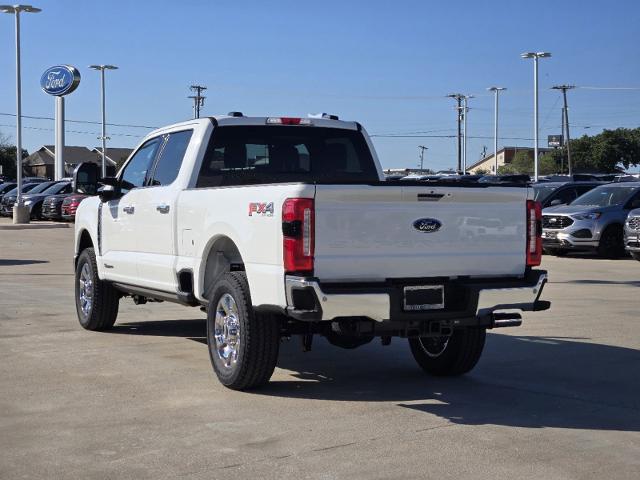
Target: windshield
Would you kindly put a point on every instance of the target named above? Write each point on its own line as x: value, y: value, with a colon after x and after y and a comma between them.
x: 25, y: 188
x: 250, y: 155
x: 55, y: 188
x: 41, y: 187
x: 605, y: 196
x: 541, y: 193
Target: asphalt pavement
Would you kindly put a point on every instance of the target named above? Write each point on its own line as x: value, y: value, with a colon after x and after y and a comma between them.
x: 558, y: 398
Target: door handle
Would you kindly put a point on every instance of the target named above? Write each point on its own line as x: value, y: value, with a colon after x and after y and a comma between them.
x: 129, y: 209
x: 163, y: 208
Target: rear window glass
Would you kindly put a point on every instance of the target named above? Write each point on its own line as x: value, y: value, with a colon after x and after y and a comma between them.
x: 249, y: 155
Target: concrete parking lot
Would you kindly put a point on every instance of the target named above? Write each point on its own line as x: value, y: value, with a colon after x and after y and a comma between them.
x: 558, y: 398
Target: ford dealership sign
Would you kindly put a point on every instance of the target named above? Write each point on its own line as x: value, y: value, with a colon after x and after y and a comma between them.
x: 60, y: 80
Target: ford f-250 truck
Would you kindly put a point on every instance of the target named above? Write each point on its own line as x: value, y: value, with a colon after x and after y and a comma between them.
x: 285, y: 226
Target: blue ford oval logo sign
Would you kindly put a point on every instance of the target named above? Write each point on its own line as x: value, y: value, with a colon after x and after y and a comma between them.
x: 427, y: 225
x: 60, y: 80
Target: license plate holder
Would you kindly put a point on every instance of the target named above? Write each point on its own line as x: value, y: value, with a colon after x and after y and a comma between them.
x: 423, y: 297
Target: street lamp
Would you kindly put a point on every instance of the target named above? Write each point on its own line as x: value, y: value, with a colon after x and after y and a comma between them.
x: 535, y: 56
x: 496, y: 91
x: 19, y: 214
x: 102, y: 68
x: 465, y: 109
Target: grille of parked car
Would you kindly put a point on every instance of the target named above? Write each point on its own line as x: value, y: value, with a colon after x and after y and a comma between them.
x: 51, y: 207
x: 556, y: 221
x: 634, y: 223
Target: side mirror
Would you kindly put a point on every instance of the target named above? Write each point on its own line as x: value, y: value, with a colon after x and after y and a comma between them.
x: 85, y: 178
x: 555, y: 202
x: 635, y: 203
x: 108, y: 192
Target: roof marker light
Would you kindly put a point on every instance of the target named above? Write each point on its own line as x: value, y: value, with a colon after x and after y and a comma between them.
x: 288, y: 121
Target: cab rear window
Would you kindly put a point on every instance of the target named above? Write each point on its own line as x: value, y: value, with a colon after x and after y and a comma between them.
x: 250, y: 155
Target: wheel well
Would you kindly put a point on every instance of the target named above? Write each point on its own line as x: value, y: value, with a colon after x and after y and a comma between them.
x: 85, y: 241
x: 223, y: 257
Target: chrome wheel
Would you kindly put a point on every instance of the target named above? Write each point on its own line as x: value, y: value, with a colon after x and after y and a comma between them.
x: 226, y: 333
x: 86, y: 290
x: 434, y: 346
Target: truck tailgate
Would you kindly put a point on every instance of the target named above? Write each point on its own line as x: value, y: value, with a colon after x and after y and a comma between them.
x: 366, y: 232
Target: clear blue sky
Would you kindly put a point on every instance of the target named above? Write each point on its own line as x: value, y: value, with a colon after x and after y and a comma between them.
x: 386, y: 64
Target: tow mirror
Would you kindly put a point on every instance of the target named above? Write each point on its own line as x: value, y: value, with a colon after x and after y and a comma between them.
x: 85, y: 178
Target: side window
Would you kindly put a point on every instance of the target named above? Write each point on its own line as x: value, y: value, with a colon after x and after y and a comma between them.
x: 171, y: 156
x: 567, y: 195
x: 136, y: 170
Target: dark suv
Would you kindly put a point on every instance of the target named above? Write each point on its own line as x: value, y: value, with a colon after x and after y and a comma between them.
x: 550, y: 194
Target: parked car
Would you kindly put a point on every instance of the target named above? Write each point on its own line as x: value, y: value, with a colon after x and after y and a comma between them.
x: 6, y: 187
x: 593, y: 221
x: 632, y: 233
x: 52, y: 206
x: 70, y: 205
x: 34, y: 180
x: 9, y: 198
x: 551, y: 194
x: 285, y: 226
x: 512, y: 178
x: 35, y: 198
x: 576, y: 177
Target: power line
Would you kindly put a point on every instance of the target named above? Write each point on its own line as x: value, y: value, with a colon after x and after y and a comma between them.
x: 33, y: 117
x: 198, y: 99
x: 72, y: 131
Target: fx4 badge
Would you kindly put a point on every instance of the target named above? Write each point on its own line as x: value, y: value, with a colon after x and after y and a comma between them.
x: 260, y: 208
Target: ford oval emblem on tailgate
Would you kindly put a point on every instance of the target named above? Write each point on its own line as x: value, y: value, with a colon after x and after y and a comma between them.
x: 427, y: 225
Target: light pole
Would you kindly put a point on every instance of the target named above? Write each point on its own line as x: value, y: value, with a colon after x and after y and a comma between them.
x: 102, y: 68
x: 565, y: 121
x: 19, y: 215
x: 535, y: 56
x: 465, y: 109
x: 496, y: 91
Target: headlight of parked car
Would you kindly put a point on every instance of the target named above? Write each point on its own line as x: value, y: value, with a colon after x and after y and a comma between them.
x: 587, y: 216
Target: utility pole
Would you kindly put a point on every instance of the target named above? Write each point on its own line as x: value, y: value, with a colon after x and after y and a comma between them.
x: 422, y: 149
x: 562, y: 133
x: 198, y: 99
x: 464, y: 143
x: 458, y: 97
x: 565, y: 117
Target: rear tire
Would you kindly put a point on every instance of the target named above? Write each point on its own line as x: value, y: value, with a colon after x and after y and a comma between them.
x: 449, y: 356
x: 243, y: 345
x: 96, y: 300
x: 611, y: 243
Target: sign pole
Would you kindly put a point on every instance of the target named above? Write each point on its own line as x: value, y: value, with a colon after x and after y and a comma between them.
x: 59, y: 172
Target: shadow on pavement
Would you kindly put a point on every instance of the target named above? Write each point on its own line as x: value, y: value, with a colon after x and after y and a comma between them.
x: 522, y: 381
x: 11, y: 262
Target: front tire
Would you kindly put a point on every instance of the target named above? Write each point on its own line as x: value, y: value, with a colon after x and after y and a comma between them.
x: 96, y: 300
x: 449, y: 356
x: 557, y: 252
x: 611, y: 243
x: 243, y: 345
x: 635, y: 255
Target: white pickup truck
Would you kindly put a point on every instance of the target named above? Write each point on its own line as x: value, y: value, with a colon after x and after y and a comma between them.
x: 285, y: 226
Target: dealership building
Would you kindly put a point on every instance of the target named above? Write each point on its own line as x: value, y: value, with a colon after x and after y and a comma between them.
x: 505, y: 157
x: 41, y: 163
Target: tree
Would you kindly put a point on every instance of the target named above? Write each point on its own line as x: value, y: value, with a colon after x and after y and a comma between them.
x: 610, y: 151
x: 8, y: 157
x: 522, y: 163
x: 482, y: 171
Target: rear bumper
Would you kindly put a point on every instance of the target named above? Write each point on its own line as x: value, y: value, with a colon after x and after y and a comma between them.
x: 476, y: 299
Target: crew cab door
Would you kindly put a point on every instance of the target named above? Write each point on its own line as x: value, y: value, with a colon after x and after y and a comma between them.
x: 118, y: 239
x: 155, y: 219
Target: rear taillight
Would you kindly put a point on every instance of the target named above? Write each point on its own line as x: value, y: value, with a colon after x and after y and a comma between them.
x: 298, y: 231
x: 534, y: 233
x: 288, y: 121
